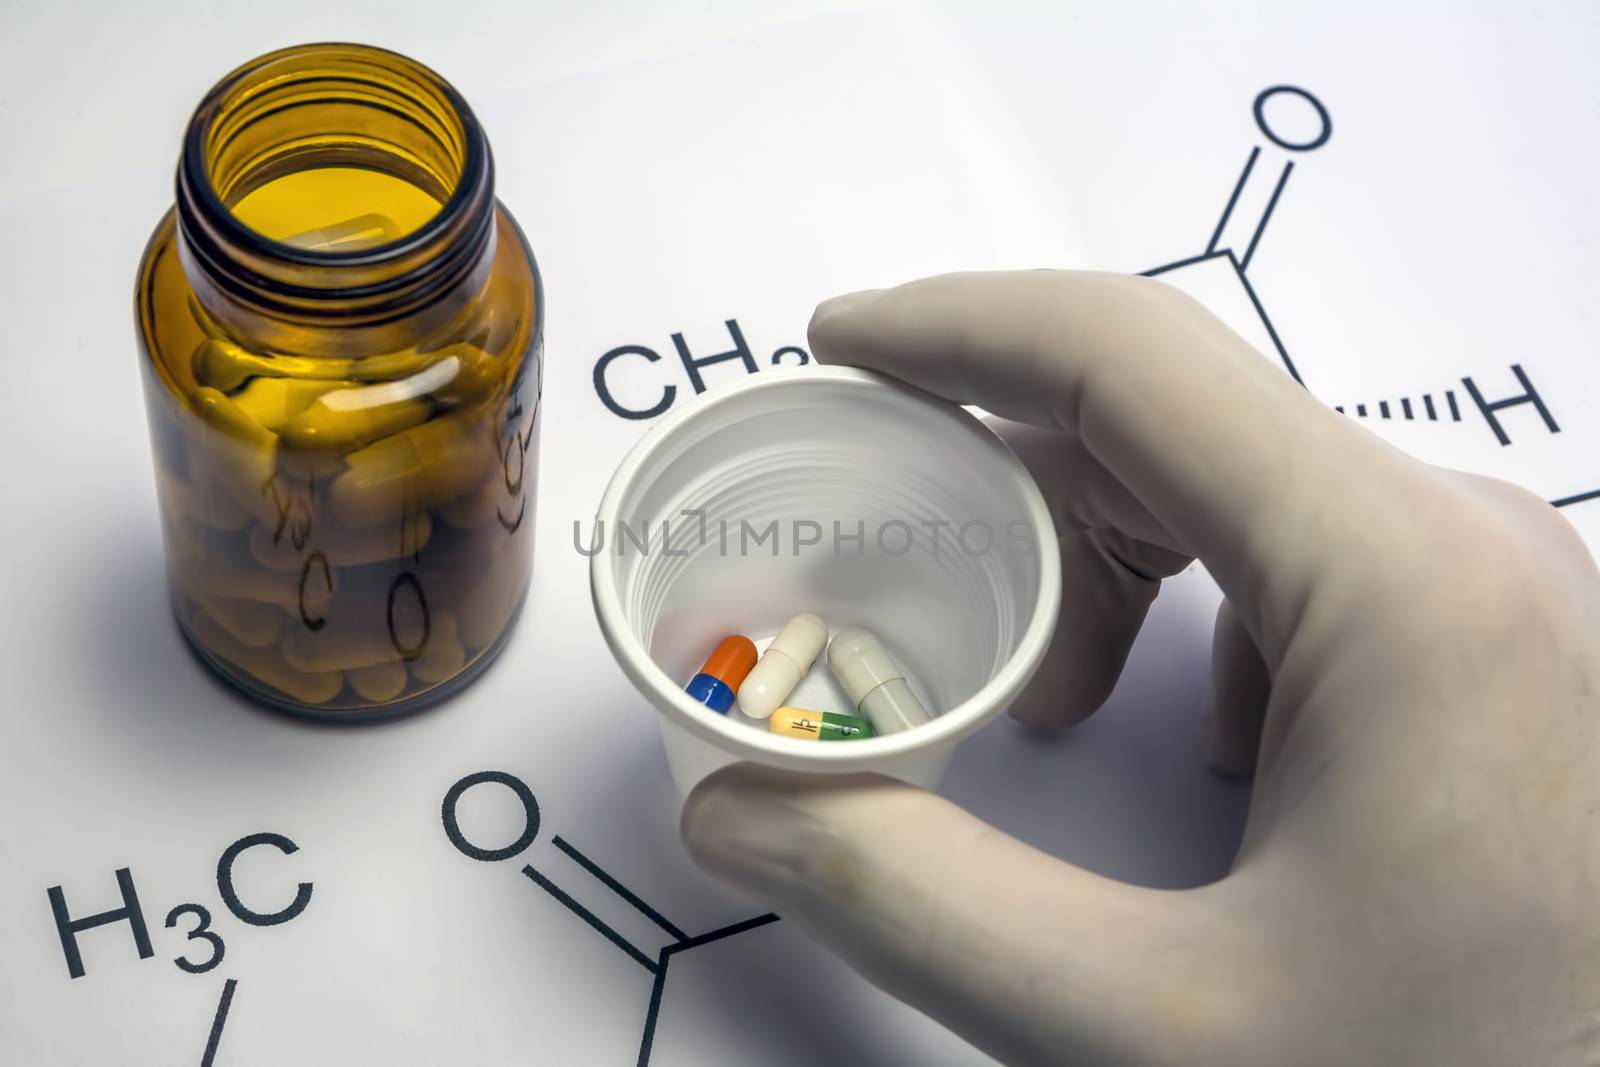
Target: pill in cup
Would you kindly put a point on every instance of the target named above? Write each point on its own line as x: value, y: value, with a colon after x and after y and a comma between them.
x: 841, y: 493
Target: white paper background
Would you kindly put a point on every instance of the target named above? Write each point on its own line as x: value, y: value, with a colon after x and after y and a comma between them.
x: 674, y: 171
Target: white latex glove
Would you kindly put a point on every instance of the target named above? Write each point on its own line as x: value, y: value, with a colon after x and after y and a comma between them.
x: 1419, y: 880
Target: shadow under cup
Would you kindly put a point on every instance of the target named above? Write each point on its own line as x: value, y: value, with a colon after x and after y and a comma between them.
x: 842, y: 493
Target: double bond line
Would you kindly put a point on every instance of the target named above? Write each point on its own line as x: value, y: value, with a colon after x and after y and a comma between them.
x: 600, y: 925
x: 681, y: 942
x: 1233, y: 201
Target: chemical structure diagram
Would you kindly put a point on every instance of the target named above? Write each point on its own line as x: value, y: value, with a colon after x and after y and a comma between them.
x: 1442, y: 405
x: 656, y: 967
x: 1439, y: 405
x: 69, y: 928
x: 213, y: 949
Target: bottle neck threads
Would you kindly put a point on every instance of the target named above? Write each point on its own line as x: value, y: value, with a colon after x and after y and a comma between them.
x: 334, y: 200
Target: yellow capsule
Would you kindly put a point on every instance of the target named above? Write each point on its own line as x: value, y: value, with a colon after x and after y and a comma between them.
x: 207, y: 506
x: 443, y: 657
x: 224, y: 365
x: 342, y: 547
x: 343, y: 420
x: 455, y: 561
x: 327, y: 427
x: 489, y: 604
x: 379, y: 624
x: 249, y: 480
x: 265, y: 665
x: 221, y: 508
x: 272, y: 402
x: 303, y: 594
x: 192, y: 546
x: 363, y: 231
x: 379, y: 683
x: 251, y: 623
x: 476, y: 509
x: 424, y: 467
x: 338, y: 648
x: 477, y: 375
x: 223, y: 414
x: 241, y: 456
x: 389, y: 366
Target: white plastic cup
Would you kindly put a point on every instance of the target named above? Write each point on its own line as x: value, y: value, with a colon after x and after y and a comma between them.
x: 966, y: 614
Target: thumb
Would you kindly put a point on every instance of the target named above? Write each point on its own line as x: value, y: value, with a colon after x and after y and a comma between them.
x: 1031, y: 959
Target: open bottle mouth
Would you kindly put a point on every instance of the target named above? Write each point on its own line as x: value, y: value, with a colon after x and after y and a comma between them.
x: 328, y: 191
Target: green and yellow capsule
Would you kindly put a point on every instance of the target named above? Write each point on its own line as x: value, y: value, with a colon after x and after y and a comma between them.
x: 811, y: 725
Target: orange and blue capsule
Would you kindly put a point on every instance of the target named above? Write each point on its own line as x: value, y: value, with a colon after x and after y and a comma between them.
x: 723, y: 672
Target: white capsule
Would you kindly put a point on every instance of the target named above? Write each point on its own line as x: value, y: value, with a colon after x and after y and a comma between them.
x: 874, y: 683
x: 782, y: 665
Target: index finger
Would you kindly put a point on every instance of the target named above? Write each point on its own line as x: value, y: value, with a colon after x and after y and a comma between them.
x: 1246, y: 469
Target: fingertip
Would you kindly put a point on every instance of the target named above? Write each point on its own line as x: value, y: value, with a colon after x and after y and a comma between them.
x: 705, y: 823
x: 1051, y: 714
x: 1038, y: 724
x: 782, y: 835
x: 1114, y: 580
x: 826, y: 331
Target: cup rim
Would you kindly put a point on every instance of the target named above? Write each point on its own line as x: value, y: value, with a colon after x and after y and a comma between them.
x: 667, y: 694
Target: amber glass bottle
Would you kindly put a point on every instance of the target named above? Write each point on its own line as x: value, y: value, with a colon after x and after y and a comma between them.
x: 341, y: 350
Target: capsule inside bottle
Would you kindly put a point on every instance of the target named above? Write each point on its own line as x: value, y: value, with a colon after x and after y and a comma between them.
x: 343, y: 390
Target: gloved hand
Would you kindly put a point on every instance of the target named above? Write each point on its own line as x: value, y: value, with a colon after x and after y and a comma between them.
x: 1408, y: 660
